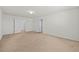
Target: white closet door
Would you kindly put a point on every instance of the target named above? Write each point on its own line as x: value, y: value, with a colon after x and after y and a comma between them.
x: 37, y: 25
x: 19, y: 24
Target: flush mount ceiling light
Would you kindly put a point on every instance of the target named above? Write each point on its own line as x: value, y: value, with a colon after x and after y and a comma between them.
x: 31, y: 12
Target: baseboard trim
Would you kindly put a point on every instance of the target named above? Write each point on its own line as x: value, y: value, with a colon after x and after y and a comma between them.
x: 61, y: 37
x: 16, y: 33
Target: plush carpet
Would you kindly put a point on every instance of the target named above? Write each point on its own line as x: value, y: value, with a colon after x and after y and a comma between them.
x: 36, y: 42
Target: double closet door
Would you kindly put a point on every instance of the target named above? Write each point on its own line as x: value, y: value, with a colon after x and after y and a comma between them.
x: 38, y: 25
x: 15, y: 24
x: 22, y: 24
x: 19, y: 24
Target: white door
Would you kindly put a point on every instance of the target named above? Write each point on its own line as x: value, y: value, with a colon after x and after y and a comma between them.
x: 38, y: 25
x: 19, y: 24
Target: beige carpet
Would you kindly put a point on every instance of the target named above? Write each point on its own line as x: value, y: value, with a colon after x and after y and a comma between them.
x: 36, y: 42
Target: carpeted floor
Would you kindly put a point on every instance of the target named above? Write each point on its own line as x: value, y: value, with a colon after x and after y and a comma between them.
x: 36, y: 42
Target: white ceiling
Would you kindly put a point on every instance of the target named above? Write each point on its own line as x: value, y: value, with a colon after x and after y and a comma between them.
x: 39, y: 10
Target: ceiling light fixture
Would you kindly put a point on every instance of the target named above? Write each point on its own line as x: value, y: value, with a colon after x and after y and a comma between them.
x: 31, y: 12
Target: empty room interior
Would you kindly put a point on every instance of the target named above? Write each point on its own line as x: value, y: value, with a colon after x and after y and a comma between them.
x: 39, y: 29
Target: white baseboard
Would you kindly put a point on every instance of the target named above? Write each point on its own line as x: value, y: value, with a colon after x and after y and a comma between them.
x: 62, y: 37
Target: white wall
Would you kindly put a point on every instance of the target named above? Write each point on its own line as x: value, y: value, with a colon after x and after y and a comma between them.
x: 14, y: 24
x: 7, y: 24
x: 64, y: 24
x: 0, y: 24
